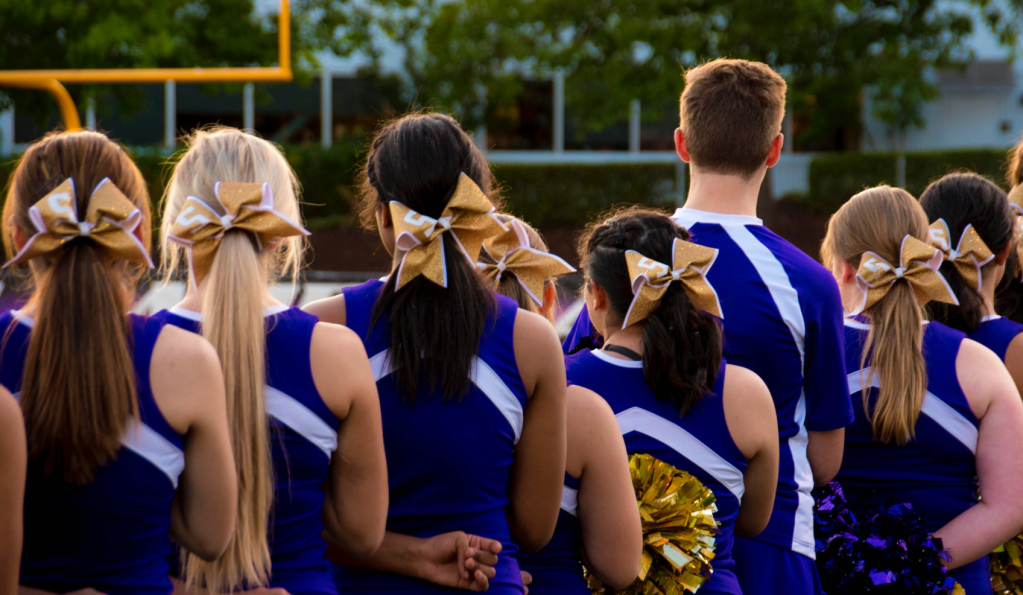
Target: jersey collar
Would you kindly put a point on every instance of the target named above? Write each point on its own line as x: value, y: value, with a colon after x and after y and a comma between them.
x: 689, y: 217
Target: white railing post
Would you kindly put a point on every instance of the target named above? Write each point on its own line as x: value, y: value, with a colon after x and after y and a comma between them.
x: 90, y: 112
x: 326, y: 108
x: 7, y: 131
x: 634, y: 122
x: 559, y: 111
x: 170, y: 114
x: 249, y: 107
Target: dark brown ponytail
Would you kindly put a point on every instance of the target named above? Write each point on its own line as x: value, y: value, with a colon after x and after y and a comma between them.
x: 681, y: 344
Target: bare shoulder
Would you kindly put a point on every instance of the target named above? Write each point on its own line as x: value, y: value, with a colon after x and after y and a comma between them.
x: 10, y: 411
x: 331, y: 309
x: 587, y: 409
x: 982, y: 376
x: 537, y: 349
x: 334, y: 336
x: 749, y: 409
x: 340, y: 367
x: 184, y: 376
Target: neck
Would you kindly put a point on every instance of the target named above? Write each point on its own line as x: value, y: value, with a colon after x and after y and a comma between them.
x: 988, y: 283
x: 630, y: 338
x: 723, y: 193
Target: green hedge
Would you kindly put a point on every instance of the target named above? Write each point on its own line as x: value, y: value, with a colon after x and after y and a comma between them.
x: 541, y: 194
x: 835, y: 178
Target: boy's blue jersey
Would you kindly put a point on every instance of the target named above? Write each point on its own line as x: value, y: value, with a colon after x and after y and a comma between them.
x: 112, y: 534
x: 936, y: 471
x: 449, y: 462
x: 303, y: 437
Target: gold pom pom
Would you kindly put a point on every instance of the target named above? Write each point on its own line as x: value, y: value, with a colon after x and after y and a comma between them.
x: 677, y: 513
x: 1007, y: 567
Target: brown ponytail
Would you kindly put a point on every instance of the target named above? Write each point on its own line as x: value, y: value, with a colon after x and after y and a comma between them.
x: 78, y: 389
x: 877, y: 220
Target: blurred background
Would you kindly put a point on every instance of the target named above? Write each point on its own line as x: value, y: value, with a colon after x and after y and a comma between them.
x: 575, y: 101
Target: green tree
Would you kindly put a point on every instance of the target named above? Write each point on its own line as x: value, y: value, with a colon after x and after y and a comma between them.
x: 464, y: 53
x: 145, y: 33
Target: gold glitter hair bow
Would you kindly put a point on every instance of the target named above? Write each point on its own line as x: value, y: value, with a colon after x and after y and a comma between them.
x: 650, y: 279
x: 918, y: 266
x: 1016, y: 198
x: 969, y: 256
x: 248, y: 206
x: 469, y: 217
x: 110, y: 221
x: 530, y: 266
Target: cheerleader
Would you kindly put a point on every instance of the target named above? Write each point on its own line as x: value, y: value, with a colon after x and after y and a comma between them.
x: 301, y: 395
x: 1009, y: 296
x: 598, y: 519
x: 662, y: 373
x: 940, y: 415
x: 126, y: 419
x: 472, y: 389
x: 12, y: 489
x: 973, y: 226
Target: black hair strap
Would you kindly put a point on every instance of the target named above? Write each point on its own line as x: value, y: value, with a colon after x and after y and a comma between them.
x: 636, y: 357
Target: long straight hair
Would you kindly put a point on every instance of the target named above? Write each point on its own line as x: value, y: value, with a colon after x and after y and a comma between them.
x: 233, y: 322
x: 877, y: 220
x: 963, y: 199
x: 681, y: 344
x: 78, y: 390
x: 435, y: 331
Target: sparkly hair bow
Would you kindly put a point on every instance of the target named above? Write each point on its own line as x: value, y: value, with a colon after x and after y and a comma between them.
x: 248, y: 206
x: 1016, y: 197
x: 650, y: 279
x: 969, y: 256
x: 530, y: 266
x: 110, y: 221
x: 469, y: 216
x: 918, y: 266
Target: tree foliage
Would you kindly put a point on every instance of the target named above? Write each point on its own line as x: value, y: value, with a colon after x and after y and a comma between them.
x: 464, y: 53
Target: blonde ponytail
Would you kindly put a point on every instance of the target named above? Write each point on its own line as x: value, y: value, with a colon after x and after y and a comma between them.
x: 233, y: 322
x: 895, y: 346
x: 876, y: 220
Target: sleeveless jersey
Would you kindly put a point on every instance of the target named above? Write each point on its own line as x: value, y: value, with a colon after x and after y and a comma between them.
x: 698, y: 443
x: 557, y: 569
x: 303, y: 436
x: 936, y: 471
x: 449, y: 463
x: 111, y: 534
x: 995, y: 333
x: 782, y: 320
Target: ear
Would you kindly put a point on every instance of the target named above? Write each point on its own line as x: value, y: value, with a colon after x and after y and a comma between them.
x: 600, y: 297
x: 19, y: 238
x: 775, y: 153
x: 1003, y: 254
x: 274, y: 244
x: 848, y: 273
x: 550, y: 296
x: 384, y: 217
x: 680, y: 145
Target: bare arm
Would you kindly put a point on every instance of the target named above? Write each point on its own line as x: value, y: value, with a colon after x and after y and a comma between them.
x: 753, y: 424
x: 357, y: 484
x: 330, y: 309
x: 1014, y: 361
x: 611, y: 532
x: 452, y: 559
x: 994, y: 399
x: 824, y: 451
x: 537, y: 477
x: 188, y: 385
x: 13, y: 462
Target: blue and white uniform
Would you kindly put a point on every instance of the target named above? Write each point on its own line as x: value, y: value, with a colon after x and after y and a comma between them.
x: 112, y: 534
x: 699, y: 443
x: 782, y: 320
x: 449, y: 463
x: 557, y: 569
x: 303, y: 436
x: 996, y: 333
x: 936, y: 471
